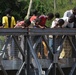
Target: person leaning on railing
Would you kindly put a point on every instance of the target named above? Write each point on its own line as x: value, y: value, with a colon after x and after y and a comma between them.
x: 40, y: 23
x: 23, y: 24
x: 59, y: 24
x: 68, y: 23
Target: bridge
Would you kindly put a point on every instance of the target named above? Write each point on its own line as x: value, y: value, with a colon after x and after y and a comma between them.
x: 30, y: 63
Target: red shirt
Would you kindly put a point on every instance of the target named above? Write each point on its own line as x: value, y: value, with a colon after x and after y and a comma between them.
x: 43, y: 19
x: 20, y: 23
x: 33, y: 18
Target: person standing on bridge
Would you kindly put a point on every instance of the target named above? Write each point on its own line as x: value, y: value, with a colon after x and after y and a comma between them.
x: 57, y: 17
x: 42, y: 24
x: 70, y: 12
x: 23, y: 24
x: 67, y: 14
x: 8, y: 21
x: 44, y: 18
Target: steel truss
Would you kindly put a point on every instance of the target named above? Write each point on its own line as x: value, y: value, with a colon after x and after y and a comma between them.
x: 31, y: 47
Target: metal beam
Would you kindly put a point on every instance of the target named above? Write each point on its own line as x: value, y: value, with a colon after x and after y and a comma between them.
x: 38, y: 31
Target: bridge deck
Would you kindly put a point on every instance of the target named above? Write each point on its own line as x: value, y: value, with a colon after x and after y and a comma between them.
x: 16, y: 63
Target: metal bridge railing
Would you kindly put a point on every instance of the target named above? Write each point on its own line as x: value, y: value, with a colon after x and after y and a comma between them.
x: 30, y: 47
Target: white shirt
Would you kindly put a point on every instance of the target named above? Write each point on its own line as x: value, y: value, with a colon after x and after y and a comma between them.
x: 54, y: 22
x: 68, y: 13
x: 66, y: 23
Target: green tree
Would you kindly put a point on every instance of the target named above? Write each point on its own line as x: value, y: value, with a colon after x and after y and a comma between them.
x: 20, y: 7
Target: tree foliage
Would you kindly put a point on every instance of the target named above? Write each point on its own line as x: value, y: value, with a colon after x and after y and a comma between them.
x: 20, y: 7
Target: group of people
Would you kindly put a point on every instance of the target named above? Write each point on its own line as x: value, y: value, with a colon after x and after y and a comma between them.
x: 68, y: 20
x: 8, y: 21
x: 39, y: 21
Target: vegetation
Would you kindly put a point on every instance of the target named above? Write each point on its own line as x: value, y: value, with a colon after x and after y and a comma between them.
x: 20, y: 7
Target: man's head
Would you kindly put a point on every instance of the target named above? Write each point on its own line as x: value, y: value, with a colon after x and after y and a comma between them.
x: 8, y: 11
x: 71, y: 18
x: 50, y: 16
x: 74, y: 10
x: 37, y: 21
x: 60, y: 22
x: 35, y: 12
x: 27, y: 23
x: 57, y: 15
